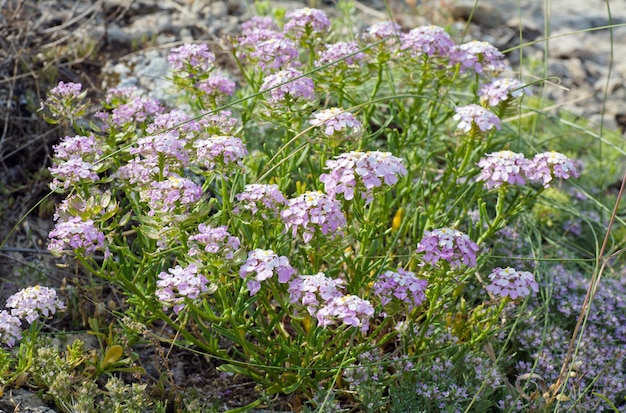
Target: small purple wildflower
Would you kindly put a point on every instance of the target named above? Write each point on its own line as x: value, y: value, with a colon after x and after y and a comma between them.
x: 313, y: 291
x: 261, y: 197
x: 501, y: 90
x: 509, y: 282
x: 289, y: 89
x: 10, y: 328
x: 474, y: 116
x: 169, y: 144
x: 350, y: 309
x: 258, y: 23
x: 372, y: 169
x: 479, y: 56
x: 346, y: 53
x: 76, y: 234
x: 191, y: 58
x: 179, y: 283
x: 380, y: 30
x: 504, y: 167
x: 449, y: 245
x: 335, y: 121
x: 402, y: 285
x: 220, y: 151
x: 431, y: 40
x: 30, y: 302
x: 80, y: 146
x: 67, y: 90
x: 175, y: 119
x: 312, y: 212
x: 249, y: 41
x: 173, y: 193
x: 546, y: 166
x: 216, y: 86
x: 264, y: 263
x: 220, y: 124
x: 215, y: 241
x: 306, y: 21
x: 72, y: 171
x: 275, y: 54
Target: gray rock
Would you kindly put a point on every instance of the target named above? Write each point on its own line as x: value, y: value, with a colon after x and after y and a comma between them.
x: 484, y: 14
x: 23, y: 401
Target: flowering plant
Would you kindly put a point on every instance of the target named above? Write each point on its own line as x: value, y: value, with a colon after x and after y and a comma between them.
x: 386, y: 188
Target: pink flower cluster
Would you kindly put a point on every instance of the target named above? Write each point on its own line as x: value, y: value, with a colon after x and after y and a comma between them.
x: 74, y: 233
x: 31, y: 302
x: 364, y: 171
x: 312, y: 212
x: 220, y: 151
x: 432, y: 41
x: 449, y: 245
x: 191, y: 58
x: 216, y: 86
x: 288, y: 85
x: 380, y: 30
x: 215, y: 241
x: 336, y: 121
x: 275, y: 53
x: 474, y: 116
x: 313, y: 291
x: 67, y: 90
x: 479, y: 56
x: 171, y: 194
x: 501, y: 90
x: 263, y: 264
x: 350, y: 309
x: 509, y: 282
x: 306, y: 22
x: 506, y: 167
x: 70, y: 146
x: 346, y: 53
x: 401, y: 285
x: 71, y: 172
x: 263, y: 197
x: 179, y: 283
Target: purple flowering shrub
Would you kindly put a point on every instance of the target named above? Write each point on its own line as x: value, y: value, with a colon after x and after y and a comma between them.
x: 339, y: 197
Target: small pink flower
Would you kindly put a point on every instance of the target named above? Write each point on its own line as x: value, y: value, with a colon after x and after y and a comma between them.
x: 546, y: 166
x: 314, y: 291
x: 261, y: 197
x: 31, y: 302
x: 479, y: 56
x: 509, y: 282
x: 432, y: 41
x: 449, y: 245
x: 350, y: 309
x: 504, y: 167
x: 10, y: 328
x: 306, y: 21
x: 264, y: 264
x: 191, y: 58
x: 473, y: 116
x: 335, y: 121
x: 501, y: 90
x: 401, y: 285
x: 286, y: 85
x: 179, y: 283
x: 314, y: 212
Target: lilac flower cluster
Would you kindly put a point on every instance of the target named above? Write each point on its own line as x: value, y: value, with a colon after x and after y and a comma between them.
x: 372, y: 169
x: 449, y: 245
x: 381, y: 30
x: 275, y: 53
x: 176, y: 119
x: 65, y: 101
x: 191, y: 58
x: 31, y: 302
x: 506, y: 167
x: 479, y: 56
x: 549, y: 165
x: 76, y: 146
x: 171, y: 194
x: 261, y: 197
x: 220, y: 151
x: 71, y: 172
x: 335, y: 121
x: 432, y: 41
x: 475, y: 117
x: 74, y: 233
x: 503, y: 167
x: 312, y: 212
x: 220, y: 124
x: 402, y: 285
x: 314, y: 291
x: 501, y: 90
x: 509, y: 282
x: 67, y: 90
x: 258, y: 23
x: 170, y: 144
x: 283, y: 87
x: 306, y: 22
x: 263, y: 264
x: 10, y: 328
x: 350, y: 309
x: 215, y: 240
x: 128, y: 107
x: 179, y: 283
x: 216, y: 87
x: 346, y: 53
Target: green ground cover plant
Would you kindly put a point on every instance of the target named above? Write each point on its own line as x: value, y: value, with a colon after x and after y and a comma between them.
x: 367, y: 221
